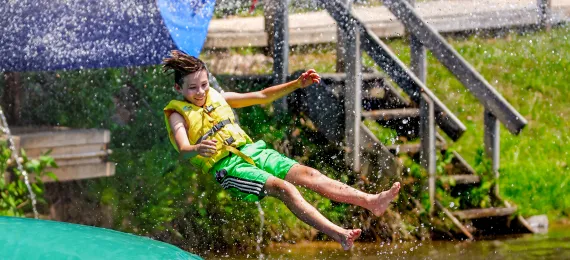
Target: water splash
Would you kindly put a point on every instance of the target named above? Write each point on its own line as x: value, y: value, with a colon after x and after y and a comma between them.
x: 6, y: 130
x: 260, y: 234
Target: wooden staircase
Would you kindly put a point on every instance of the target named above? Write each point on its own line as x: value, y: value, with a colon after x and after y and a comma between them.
x: 343, y: 100
x: 383, y: 103
x: 338, y: 106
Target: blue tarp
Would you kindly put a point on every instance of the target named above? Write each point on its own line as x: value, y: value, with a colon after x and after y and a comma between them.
x: 81, y: 34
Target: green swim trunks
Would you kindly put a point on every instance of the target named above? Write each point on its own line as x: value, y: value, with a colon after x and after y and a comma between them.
x: 244, y: 181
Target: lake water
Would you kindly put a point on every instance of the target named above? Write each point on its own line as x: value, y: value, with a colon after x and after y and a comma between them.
x: 553, y: 245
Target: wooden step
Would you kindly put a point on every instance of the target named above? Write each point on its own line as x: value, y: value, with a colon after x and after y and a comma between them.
x: 411, y: 148
x: 404, y: 120
x: 379, y: 94
x: 324, y: 104
x: 462, y: 179
x: 484, y: 213
x: 392, y: 114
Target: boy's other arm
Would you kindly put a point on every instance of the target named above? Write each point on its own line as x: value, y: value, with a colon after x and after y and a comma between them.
x: 268, y: 95
x: 206, y: 148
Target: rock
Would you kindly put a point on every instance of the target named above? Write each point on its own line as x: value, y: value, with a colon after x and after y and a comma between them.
x: 539, y: 223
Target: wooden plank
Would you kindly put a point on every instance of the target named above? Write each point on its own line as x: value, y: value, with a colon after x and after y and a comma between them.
x: 318, y: 27
x: 88, y: 160
x: 428, y: 151
x: 411, y: 148
x: 485, y: 213
x: 86, y: 171
x: 81, y: 155
x: 268, y: 13
x: 545, y: 14
x: 72, y: 149
x: 418, y: 55
x: 377, y: 92
x: 455, y: 221
x: 280, y: 49
x: 352, y: 94
x: 454, y: 62
x: 392, y: 114
x: 492, y: 145
x: 64, y: 138
x: 462, y: 179
x: 341, y: 43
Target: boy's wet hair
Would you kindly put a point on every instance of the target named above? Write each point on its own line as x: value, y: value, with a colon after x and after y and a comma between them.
x: 182, y: 64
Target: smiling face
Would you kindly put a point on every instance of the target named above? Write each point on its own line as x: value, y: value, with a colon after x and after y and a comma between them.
x: 195, y: 87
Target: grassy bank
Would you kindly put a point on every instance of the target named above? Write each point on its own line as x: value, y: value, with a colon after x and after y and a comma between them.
x: 532, y: 71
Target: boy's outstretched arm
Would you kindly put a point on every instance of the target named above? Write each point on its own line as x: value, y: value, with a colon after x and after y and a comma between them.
x: 268, y: 95
x: 206, y: 148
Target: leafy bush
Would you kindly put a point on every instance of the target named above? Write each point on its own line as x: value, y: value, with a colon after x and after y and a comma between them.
x: 15, y: 197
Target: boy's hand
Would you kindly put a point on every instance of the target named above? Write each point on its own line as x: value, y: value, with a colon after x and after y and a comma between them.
x: 207, y: 148
x: 309, y: 78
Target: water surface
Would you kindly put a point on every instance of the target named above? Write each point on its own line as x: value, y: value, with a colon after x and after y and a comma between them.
x: 553, y: 245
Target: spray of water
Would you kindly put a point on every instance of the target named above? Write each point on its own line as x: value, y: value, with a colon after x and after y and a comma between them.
x: 6, y: 131
x: 260, y: 234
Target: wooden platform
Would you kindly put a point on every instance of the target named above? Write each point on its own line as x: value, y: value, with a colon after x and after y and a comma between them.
x: 446, y: 16
x: 79, y: 153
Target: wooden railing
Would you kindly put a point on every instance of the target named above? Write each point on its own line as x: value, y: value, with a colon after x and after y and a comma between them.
x: 432, y: 110
x: 358, y: 36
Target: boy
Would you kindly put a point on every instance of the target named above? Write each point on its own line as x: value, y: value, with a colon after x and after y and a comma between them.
x: 202, y: 129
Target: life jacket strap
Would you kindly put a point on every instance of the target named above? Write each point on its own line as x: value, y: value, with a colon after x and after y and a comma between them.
x: 214, y: 129
x: 240, y: 154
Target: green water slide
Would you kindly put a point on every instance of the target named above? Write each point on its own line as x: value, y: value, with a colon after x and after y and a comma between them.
x: 24, y: 238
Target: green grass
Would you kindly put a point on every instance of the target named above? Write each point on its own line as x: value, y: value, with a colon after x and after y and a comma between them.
x: 532, y: 72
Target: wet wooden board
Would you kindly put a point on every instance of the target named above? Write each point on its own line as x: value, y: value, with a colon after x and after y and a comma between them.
x: 462, y: 179
x: 82, y: 171
x: 319, y: 27
x: 67, y: 138
x: 484, y: 213
x: 79, y: 153
x: 411, y: 148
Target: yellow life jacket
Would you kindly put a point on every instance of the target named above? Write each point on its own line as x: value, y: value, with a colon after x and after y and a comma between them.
x: 215, y: 120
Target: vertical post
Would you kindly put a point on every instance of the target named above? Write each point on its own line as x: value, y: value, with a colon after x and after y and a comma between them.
x: 544, y: 14
x: 352, y: 94
x: 340, y: 42
x: 428, y: 151
x: 268, y: 17
x: 418, y: 55
x: 428, y: 159
x: 12, y: 97
x: 281, y: 49
x: 492, y: 145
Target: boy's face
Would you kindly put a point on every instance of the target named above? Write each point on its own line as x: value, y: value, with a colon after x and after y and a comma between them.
x: 195, y: 87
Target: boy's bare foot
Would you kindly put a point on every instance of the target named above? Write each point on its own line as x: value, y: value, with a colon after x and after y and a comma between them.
x: 347, y: 240
x: 381, y: 201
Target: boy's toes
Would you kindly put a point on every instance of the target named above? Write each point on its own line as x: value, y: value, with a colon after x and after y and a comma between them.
x: 350, y: 238
x: 395, y: 188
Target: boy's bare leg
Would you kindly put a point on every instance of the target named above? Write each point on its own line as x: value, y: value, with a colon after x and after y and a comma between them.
x: 292, y: 198
x: 312, y: 179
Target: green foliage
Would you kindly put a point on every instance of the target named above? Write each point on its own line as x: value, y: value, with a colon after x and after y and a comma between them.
x: 15, y: 197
